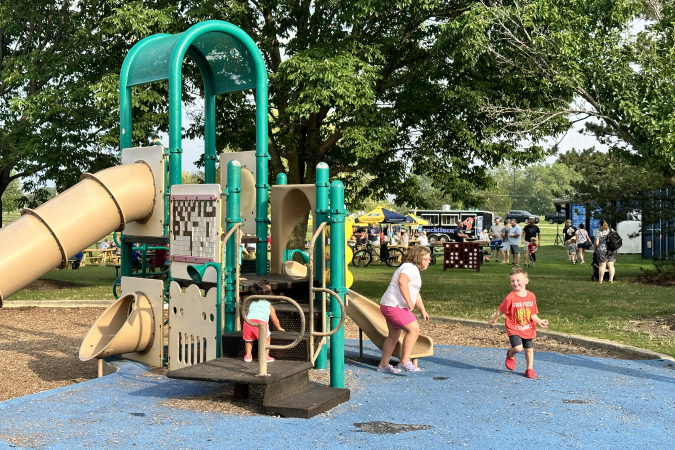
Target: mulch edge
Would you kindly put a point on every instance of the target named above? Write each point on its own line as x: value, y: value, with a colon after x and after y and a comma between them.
x: 626, y: 351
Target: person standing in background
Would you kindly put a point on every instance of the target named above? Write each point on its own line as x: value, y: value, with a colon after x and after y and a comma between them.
x: 531, y: 230
x: 505, y: 243
x: 459, y: 232
x: 583, y: 241
x: 514, y: 242
x: 606, y: 258
x: 568, y: 232
x: 373, y: 233
x: 495, y: 239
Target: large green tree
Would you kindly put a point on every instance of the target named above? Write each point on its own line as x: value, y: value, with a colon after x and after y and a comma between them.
x: 59, y: 62
x: 534, y: 187
x: 585, y: 60
x: 377, y: 89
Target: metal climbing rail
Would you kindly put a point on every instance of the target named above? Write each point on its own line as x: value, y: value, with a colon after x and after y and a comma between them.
x: 262, y: 329
x: 320, y: 232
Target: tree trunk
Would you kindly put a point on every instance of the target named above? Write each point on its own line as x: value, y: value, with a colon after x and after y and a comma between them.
x: 299, y: 235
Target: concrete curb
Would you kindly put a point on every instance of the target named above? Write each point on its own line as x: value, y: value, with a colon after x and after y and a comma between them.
x: 58, y: 303
x: 626, y: 351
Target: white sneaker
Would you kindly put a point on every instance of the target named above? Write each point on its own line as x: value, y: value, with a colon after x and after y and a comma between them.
x: 388, y: 369
x: 409, y: 367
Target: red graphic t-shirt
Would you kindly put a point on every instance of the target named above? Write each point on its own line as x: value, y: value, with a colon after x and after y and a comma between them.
x: 519, y: 312
x: 532, y: 247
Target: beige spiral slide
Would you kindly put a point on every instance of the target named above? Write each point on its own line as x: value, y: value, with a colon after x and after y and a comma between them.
x: 44, y: 238
x: 366, y: 314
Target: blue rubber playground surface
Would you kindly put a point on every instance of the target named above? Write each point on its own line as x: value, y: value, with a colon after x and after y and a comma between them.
x: 463, y: 398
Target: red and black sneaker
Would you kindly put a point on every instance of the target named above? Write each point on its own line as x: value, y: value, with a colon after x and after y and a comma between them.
x: 510, y: 362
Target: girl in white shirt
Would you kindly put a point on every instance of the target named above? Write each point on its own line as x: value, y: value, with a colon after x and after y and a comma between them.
x: 396, y: 305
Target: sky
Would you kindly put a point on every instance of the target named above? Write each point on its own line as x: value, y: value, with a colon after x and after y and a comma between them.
x: 193, y: 149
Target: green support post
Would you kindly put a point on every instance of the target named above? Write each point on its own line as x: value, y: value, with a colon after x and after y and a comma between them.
x: 282, y: 179
x: 320, y: 216
x: 232, y: 218
x: 337, y: 282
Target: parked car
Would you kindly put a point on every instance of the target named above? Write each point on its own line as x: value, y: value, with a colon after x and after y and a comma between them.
x: 558, y: 217
x: 521, y: 216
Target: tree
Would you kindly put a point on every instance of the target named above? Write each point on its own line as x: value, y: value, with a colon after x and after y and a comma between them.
x: 375, y: 89
x: 59, y: 62
x: 497, y: 200
x: 619, y: 187
x: 11, y: 198
x: 532, y: 188
x: 584, y: 61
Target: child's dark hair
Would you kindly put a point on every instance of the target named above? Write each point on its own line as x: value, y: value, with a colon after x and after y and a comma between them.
x: 261, y: 288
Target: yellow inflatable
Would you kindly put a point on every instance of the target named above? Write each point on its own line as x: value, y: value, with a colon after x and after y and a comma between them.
x: 349, y: 278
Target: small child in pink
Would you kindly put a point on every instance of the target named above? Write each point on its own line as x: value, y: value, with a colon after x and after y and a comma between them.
x: 259, y: 311
x: 520, y: 308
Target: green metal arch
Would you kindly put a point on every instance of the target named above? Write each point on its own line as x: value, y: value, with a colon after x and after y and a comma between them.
x: 188, y: 43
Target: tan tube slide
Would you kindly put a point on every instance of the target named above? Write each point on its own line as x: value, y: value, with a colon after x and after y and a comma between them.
x: 368, y: 317
x: 45, y: 238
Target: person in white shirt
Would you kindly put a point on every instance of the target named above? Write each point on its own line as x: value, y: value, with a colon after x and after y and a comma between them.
x: 423, y: 240
x: 404, y: 238
x: 104, y: 245
x: 402, y: 295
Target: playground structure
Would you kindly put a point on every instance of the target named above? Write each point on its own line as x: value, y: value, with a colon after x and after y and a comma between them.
x: 144, y: 199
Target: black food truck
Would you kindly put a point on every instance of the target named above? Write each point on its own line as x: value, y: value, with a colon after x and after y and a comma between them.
x: 442, y: 222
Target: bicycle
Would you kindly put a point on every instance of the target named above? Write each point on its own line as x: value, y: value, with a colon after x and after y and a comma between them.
x: 364, y: 255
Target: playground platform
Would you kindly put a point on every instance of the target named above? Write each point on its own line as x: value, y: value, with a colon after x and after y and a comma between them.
x: 463, y: 398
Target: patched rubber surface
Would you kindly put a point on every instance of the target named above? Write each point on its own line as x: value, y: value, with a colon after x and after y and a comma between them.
x: 464, y: 394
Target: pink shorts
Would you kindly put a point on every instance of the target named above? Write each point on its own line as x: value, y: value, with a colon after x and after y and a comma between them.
x: 397, y: 317
x: 251, y: 333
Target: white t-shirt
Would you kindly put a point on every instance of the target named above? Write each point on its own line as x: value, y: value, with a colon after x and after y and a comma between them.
x: 423, y: 241
x: 393, y: 297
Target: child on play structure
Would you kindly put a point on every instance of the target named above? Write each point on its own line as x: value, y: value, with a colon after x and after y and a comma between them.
x: 520, y: 308
x: 259, y: 311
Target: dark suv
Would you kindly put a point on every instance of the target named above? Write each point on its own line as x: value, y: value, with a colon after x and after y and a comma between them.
x: 520, y: 216
x: 558, y: 217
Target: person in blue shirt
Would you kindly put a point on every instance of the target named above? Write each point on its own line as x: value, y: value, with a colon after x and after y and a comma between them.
x: 514, y: 242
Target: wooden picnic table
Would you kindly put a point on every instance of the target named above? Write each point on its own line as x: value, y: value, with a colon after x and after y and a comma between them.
x: 98, y: 256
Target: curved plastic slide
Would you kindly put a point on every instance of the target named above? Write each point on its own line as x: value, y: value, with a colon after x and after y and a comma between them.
x: 127, y: 326
x: 366, y: 314
x: 45, y: 238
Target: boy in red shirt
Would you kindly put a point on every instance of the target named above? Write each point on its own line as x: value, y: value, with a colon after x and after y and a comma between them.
x: 520, y: 308
x: 531, y: 252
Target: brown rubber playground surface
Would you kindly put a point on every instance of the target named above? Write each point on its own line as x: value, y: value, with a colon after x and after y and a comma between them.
x: 39, y: 346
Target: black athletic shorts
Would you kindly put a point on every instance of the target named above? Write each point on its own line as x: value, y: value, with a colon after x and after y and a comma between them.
x: 517, y: 341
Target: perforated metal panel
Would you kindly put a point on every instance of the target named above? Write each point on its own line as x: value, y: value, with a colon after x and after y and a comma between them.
x: 192, y: 326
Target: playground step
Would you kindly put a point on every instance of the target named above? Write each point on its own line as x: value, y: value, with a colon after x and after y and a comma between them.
x: 308, y: 402
x: 233, y: 346
x: 287, y: 389
x: 290, y: 320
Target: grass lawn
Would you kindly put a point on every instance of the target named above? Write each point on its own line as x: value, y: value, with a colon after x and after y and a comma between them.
x: 97, y: 285
x: 565, y: 294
